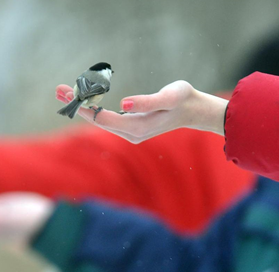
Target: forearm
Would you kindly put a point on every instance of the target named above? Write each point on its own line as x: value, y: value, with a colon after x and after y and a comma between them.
x: 209, y: 112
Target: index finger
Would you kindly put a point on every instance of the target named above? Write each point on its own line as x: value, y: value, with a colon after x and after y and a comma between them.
x: 135, y: 124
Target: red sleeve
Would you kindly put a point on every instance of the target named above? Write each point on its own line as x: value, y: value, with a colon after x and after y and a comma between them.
x: 182, y: 176
x: 252, y: 125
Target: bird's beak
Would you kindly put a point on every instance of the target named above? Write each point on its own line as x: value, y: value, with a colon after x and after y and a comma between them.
x: 112, y: 72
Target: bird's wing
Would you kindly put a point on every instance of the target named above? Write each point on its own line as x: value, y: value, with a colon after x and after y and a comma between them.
x: 88, y: 88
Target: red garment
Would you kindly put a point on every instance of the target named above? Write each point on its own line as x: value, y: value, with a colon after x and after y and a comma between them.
x: 182, y: 176
x: 252, y: 125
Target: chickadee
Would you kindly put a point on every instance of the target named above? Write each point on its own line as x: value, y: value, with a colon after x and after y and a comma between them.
x: 89, y: 90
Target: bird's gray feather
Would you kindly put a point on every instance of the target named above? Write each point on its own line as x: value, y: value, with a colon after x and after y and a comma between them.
x: 88, y: 88
x: 71, y: 109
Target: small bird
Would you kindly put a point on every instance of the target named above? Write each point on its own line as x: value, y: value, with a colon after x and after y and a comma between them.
x: 89, y: 90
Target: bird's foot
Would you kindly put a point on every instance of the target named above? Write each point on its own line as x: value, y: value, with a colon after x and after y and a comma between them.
x: 99, y: 109
x: 121, y: 112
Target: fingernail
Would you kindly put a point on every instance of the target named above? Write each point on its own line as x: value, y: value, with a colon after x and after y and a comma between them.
x: 127, y: 105
x: 60, y: 92
x: 69, y: 98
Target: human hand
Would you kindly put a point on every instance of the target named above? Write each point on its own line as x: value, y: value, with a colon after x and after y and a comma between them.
x: 21, y: 216
x: 175, y: 106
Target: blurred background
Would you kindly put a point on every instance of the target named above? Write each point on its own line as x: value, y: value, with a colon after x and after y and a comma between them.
x: 148, y: 43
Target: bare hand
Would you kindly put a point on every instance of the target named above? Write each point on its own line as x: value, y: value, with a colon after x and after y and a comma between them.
x: 21, y: 216
x: 175, y: 106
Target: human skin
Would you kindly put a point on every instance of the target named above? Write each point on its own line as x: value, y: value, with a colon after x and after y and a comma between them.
x: 176, y: 105
x: 22, y: 214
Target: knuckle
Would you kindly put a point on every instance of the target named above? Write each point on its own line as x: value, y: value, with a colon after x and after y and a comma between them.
x: 147, y: 105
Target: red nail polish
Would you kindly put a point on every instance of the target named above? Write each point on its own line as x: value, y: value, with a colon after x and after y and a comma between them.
x: 127, y: 105
x: 69, y: 98
x: 61, y: 93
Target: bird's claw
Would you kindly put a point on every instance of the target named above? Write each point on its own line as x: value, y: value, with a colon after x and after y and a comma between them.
x: 99, y: 109
x: 121, y: 112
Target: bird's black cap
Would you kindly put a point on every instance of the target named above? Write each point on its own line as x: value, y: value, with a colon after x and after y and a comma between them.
x: 100, y: 66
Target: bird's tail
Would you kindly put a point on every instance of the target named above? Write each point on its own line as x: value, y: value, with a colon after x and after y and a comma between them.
x: 71, y: 109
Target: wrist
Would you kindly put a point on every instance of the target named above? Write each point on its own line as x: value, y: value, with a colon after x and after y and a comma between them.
x: 208, y: 112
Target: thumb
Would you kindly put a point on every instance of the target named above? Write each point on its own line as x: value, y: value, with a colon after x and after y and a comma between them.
x: 147, y: 103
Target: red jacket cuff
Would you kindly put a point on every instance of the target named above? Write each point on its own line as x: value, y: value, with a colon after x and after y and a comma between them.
x: 252, y: 125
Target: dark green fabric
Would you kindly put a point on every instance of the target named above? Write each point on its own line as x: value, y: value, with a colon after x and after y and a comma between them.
x: 86, y: 267
x: 258, y: 243
x: 59, y: 238
x: 245, y: 239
